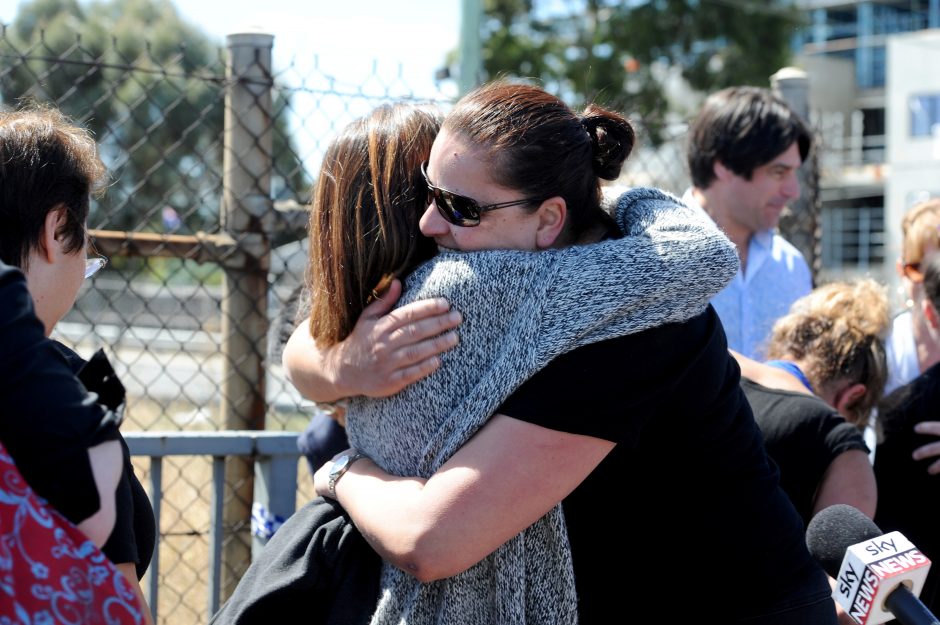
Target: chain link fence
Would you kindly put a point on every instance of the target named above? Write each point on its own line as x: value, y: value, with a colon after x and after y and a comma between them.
x: 212, y: 157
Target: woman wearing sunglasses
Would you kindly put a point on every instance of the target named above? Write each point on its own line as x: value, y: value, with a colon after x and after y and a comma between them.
x: 557, y: 394
x: 911, y: 346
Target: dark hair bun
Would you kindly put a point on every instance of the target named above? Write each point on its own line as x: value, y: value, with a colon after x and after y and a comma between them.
x: 612, y: 140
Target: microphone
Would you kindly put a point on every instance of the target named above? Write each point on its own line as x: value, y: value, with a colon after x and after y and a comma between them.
x: 877, y: 576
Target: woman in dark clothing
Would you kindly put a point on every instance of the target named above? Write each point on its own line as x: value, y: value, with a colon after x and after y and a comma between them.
x: 908, y: 489
x: 50, y: 169
x: 812, y: 401
x: 89, y: 466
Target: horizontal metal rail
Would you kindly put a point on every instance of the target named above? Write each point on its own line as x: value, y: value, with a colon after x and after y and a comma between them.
x: 275, y: 490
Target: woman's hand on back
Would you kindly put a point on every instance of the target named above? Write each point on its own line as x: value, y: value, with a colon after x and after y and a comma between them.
x: 386, y: 351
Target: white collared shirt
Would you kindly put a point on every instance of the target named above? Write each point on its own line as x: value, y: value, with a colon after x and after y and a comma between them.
x: 776, y: 275
x: 901, y: 352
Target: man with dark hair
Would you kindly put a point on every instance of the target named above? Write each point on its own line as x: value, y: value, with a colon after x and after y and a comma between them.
x: 745, y: 148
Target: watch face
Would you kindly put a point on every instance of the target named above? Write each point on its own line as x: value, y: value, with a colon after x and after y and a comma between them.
x: 339, y: 464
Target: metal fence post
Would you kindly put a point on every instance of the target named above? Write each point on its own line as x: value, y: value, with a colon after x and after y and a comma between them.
x: 471, y: 56
x: 801, y: 226
x: 246, y: 198
x: 275, y: 488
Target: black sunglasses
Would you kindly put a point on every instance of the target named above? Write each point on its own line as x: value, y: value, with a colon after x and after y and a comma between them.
x: 459, y: 209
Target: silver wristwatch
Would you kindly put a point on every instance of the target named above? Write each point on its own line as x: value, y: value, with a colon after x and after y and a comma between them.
x: 340, y: 466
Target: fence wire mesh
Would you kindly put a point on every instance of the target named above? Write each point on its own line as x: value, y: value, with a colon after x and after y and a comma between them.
x: 185, y: 243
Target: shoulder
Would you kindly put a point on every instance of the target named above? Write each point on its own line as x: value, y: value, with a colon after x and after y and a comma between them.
x: 785, y: 251
x: 782, y: 413
x: 912, y: 402
x: 788, y: 261
x: 453, y: 270
x: 10, y: 274
x: 638, y: 353
x: 14, y: 297
x: 804, y: 406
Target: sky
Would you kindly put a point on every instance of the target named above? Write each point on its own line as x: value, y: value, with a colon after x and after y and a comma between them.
x: 354, y: 42
x: 347, y: 35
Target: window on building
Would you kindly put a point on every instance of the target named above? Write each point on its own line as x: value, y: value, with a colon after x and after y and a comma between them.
x: 841, y: 24
x: 925, y: 114
x: 873, y: 135
x: 853, y: 233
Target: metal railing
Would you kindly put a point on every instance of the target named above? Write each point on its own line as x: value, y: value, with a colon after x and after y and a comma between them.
x: 275, y: 486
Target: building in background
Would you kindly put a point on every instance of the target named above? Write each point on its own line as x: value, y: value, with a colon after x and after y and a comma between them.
x: 875, y: 96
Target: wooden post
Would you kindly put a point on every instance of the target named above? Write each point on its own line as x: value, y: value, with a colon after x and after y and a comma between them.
x: 801, y: 226
x: 246, y: 199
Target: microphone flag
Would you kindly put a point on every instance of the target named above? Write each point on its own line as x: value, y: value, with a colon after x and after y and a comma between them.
x: 871, y: 570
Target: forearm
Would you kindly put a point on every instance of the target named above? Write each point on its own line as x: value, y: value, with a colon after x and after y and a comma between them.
x: 310, y: 369
x: 106, y: 466
x: 667, y: 266
x: 411, y: 523
x: 479, y: 499
x: 129, y: 571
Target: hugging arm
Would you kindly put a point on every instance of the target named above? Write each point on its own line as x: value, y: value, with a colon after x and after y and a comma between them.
x: 385, y: 352
x: 510, y: 474
x: 671, y: 261
x: 667, y: 267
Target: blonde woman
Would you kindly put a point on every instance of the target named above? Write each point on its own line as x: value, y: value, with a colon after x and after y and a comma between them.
x: 912, y: 345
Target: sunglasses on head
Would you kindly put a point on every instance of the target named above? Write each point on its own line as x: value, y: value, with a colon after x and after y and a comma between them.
x: 461, y: 210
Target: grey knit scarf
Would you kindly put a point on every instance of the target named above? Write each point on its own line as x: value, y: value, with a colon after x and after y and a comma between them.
x: 521, y: 309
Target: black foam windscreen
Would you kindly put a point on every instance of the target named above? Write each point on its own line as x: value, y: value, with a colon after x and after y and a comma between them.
x: 833, y: 530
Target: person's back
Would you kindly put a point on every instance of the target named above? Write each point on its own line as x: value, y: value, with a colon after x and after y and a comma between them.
x: 695, y: 480
x: 908, y: 494
x: 814, y: 395
x: 804, y: 436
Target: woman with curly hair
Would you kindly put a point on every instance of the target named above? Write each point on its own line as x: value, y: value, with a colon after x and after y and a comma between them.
x: 815, y: 395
